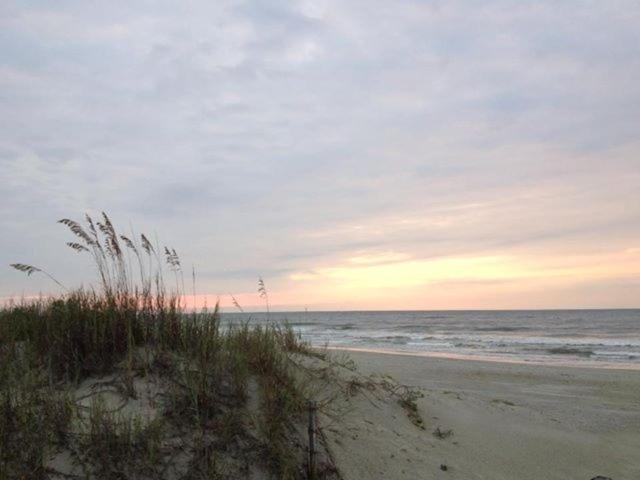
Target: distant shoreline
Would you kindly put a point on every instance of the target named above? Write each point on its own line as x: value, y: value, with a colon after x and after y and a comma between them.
x: 260, y: 310
x: 489, y: 359
x: 577, y: 338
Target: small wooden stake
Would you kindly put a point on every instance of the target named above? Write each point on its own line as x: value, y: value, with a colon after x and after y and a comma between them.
x: 313, y: 407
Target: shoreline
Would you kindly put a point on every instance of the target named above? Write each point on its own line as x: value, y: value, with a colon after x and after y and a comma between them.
x: 608, y: 339
x: 497, y: 420
x: 489, y: 359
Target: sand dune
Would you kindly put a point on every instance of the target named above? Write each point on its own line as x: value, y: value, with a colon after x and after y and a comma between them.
x: 472, y: 420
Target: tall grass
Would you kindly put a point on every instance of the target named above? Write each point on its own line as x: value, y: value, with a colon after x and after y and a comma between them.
x: 133, y: 324
x: 117, y: 446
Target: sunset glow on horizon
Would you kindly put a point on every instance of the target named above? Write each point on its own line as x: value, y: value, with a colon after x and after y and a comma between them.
x: 391, y: 281
x: 394, y: 155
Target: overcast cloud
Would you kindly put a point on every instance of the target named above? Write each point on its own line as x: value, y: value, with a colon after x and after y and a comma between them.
x: 295, y: 140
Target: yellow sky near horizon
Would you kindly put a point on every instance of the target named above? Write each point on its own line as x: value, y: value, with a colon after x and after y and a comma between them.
x: 395, y: 280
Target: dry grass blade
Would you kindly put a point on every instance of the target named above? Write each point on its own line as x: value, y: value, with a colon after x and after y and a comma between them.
x: 77, y: 230
x: 28, y: 269
x: 262, y: 290
x: 172, y: 258
x: 94, y: 234
x: 92, y: 227
x: 129, y: 243
x: 235, y: 303
x: 77, y: 247
x: 111, y: 235
x: 146, y: 245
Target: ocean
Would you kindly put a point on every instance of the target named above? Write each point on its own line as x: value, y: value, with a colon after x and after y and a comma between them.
x: 607, y: 338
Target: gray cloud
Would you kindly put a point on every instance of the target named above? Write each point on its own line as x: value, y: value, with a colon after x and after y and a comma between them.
x: 265, y: 137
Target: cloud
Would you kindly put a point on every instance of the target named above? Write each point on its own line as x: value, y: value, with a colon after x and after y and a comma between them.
x: 278, y: 139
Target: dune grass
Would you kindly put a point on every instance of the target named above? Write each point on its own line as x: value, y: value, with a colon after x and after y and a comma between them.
x: 133, y: 327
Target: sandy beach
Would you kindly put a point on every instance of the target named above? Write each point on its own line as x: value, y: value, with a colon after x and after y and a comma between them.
x: 493, y: 421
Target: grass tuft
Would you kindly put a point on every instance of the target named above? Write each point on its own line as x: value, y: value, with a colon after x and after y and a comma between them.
x: 130, y: 337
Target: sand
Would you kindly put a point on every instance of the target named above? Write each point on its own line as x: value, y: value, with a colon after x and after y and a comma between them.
x: 500, y: 421
x: 480, y: 420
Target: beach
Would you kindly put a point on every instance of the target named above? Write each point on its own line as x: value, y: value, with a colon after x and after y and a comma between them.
x: 320, y: 240
x: 493, y: 420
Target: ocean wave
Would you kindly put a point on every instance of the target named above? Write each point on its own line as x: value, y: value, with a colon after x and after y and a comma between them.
x: 411, y: 328
x: 304, y: 324
x: 403, y: 339
x: 501, y: 329
x: 569, y: 351
x: 553, y: 337
x: 346, y: 326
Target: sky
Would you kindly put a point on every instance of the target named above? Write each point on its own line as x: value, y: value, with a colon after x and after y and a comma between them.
x: 354, y: 154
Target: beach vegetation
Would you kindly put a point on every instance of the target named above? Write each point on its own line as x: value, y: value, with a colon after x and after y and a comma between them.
x: 119, y: 380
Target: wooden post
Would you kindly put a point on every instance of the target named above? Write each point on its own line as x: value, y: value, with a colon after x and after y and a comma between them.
x: 313, y: 407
